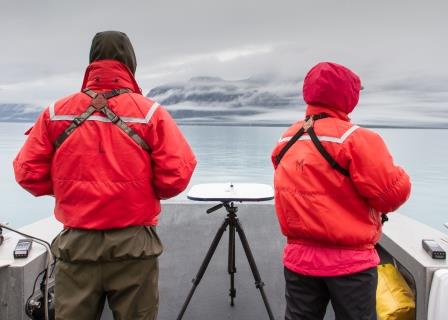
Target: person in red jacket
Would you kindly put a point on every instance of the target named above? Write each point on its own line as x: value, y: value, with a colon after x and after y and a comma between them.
x: 333, y: 182
x: 108, y: 155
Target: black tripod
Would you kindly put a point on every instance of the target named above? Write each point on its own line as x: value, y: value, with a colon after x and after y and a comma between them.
x: 234, y: 225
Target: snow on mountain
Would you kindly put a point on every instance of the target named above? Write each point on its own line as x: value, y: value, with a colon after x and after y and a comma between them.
x: 267, y: 100
x: 270, y: 100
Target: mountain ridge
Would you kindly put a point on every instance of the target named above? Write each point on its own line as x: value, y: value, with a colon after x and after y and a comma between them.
x: 267, y: 99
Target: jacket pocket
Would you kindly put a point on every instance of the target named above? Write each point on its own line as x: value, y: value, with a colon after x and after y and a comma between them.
x: 154, y: 245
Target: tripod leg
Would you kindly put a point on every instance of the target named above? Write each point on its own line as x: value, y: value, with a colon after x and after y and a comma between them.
x: 258, y: 282
x: 231, y: 268
x: 204, y: 266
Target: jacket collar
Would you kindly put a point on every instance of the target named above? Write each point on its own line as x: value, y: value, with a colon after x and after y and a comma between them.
x: 334, y: 113
x: 104, y: 75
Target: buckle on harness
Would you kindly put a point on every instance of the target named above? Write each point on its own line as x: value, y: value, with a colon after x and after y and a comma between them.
x: 77, y: 121
x: 115, y: 119
x: 99, y: 102
x: 308, y: 124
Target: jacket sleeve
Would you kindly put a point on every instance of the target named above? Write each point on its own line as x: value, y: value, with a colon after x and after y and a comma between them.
x: 385, y: 185
x: 32, y: 164
x: 173, y: 160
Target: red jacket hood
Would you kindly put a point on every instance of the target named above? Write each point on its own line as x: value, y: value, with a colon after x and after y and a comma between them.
x: 332, y: 86
x: 105, y: 75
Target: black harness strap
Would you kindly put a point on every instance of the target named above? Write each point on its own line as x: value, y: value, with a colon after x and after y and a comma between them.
x: 99, y: 103
x: 75, y: 124
x: 115, y: 119
x: 309, y: 128
x: 308, y: 124
x: 282, y: 152
x: 325, y: 153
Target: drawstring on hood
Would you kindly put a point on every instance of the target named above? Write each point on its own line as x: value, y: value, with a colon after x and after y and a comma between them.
x: 113, y: 45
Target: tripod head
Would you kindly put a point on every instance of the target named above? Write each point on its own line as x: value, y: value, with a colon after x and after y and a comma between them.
x: 217, y: 207
x: 228, y: 205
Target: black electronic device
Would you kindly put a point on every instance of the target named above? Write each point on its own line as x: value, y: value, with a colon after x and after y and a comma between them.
x: 35, y: 305
x: 23, y: 248
x: 433, y: 249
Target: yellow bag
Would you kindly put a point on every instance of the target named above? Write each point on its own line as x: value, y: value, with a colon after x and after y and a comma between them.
x: 394, y: 298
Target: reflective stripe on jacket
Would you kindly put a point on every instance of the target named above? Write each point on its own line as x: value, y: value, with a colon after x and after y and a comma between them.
x: 317, y: 205
x: 100, y: 177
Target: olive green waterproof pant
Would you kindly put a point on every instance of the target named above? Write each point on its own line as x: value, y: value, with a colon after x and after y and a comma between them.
x: 120, y: 265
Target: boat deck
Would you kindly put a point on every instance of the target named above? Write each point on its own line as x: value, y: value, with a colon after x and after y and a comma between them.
x: 187, y: 232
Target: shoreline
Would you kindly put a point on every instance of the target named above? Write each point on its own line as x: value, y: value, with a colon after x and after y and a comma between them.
x: 270, y: 125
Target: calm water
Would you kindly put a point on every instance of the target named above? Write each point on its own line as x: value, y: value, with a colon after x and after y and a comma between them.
x: 242, y: 154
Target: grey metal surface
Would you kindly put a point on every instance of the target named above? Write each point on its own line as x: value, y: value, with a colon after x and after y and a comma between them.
x: 402, y: 238
x: 187, y: 234
x: 4, y: 289
x: 187, y: 231
x: 16, y: 281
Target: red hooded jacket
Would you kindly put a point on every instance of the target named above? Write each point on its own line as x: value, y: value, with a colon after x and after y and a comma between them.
x: 101, y: 178
x: 317, y: 205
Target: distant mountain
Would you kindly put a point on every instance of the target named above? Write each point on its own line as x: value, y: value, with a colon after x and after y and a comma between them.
x: 16, y: 112
x: 217, y: 98
x: 271, y: 100
x: 204, y: 100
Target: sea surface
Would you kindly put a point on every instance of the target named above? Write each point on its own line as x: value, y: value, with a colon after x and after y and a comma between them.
x: 242, y: 154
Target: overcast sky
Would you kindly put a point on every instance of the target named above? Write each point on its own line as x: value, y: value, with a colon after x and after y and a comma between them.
x: 394, y: 46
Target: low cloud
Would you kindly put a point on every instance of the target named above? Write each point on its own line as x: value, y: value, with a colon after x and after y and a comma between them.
x: 401, y: 61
